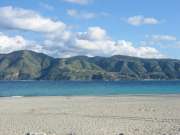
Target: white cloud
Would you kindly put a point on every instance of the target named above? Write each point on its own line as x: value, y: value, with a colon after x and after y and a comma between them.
x: 93, y: 34
x: 46, y: 6
x: 85, y: 15
x: 95, y: 42
x: 159, y: 38
x: 59, y: 41
x: 141, y: 20
x: 22, y: 19
x: 28, y: 20
x: 81, y: 2
x: 177, y: 44
x: 9, y: 44
x: 162, y: 41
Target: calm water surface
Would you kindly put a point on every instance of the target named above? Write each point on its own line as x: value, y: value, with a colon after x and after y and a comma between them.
x: 86, y: 88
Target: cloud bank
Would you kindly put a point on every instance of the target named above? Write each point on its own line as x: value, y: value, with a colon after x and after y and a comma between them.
x: 59, y: 41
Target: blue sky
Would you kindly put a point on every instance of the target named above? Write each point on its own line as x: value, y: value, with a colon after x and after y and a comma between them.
x: 142, y: 28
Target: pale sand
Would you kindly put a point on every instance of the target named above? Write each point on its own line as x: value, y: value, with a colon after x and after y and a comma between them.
x: 130, y: 115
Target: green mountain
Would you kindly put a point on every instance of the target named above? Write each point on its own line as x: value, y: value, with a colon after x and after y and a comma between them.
x: 28, y: 65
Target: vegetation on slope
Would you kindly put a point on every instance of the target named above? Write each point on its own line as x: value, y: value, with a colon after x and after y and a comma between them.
x: 28, y: 65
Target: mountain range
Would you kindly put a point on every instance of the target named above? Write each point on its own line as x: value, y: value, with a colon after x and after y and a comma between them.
x: 29, y: 65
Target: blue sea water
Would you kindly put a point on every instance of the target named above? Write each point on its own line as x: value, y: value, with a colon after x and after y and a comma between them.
x: 87, y: 88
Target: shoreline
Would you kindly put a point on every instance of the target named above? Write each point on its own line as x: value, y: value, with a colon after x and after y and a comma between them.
x: 119, y: 95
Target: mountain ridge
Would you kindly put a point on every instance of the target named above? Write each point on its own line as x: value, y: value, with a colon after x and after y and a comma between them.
x: 29, y: 65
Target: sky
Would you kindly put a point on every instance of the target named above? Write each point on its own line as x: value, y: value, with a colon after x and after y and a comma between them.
x: 65, y: 28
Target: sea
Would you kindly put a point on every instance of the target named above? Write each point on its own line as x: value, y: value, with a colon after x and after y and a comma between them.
x: 87, y: 88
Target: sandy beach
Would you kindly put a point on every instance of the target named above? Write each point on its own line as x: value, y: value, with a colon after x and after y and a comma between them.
x: 130, y: 115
